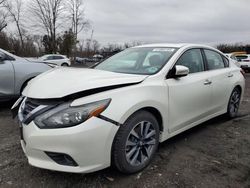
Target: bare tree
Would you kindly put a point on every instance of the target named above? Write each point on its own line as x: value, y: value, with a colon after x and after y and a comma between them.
x: 15, y: 10
x: 78, y: 21
x: 47, y: 15
x: 96, y: 46
x: 3, y: 23
x: 3, y: 16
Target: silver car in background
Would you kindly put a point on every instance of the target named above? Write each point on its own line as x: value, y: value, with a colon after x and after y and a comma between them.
x: 15, y: 72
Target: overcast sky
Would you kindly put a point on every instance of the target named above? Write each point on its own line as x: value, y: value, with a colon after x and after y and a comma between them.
x: 196, y: 21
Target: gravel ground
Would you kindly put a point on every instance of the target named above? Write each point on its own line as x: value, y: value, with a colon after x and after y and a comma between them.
x: 214, y: 154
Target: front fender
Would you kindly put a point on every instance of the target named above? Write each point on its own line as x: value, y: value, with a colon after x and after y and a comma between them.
x: 126, y: 101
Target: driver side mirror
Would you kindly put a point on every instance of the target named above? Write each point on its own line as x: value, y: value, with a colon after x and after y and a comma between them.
x: 178, y: 71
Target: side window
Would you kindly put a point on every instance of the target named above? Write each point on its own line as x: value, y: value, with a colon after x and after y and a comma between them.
x: 2, y: 55
x: 49, y: 58
x: 193, y: 60
x: 214, y: 60
x: 57, y: 57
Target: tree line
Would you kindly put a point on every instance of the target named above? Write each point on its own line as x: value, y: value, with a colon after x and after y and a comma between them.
x: 49, y: 26
x: 238, y: 47
x: 42, y: 26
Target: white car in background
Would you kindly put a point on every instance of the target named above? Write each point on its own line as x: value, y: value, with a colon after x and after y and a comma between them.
x: 232, y: 58
x: 56, y: 59
x: 244, y: 61
x: 83, y: 120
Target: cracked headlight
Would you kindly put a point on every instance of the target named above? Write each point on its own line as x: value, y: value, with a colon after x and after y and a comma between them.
x: 65, y: 115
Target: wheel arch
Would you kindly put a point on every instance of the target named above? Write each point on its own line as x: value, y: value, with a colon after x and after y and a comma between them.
x: 25, y: 84
x: 155, y: 112
x: 238, y: 87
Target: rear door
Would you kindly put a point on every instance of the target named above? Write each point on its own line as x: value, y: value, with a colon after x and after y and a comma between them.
x: 189, y: 96
x: 221, y: 78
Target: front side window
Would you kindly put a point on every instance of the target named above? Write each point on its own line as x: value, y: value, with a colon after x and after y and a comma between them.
x: 193, y: 60
x: 145, y: 60
x: 214, y: 60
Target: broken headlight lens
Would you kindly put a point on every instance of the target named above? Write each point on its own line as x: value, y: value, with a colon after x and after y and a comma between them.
x: 65, y: 115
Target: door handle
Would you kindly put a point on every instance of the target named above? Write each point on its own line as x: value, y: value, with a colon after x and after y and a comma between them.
x: 207, y: 82
x: 230, y: 75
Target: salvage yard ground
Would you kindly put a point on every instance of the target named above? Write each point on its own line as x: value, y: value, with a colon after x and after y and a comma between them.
x: 214, y: 154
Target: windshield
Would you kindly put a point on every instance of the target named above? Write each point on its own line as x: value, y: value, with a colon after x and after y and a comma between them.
x: 138, y: 60
x: 10, y: 55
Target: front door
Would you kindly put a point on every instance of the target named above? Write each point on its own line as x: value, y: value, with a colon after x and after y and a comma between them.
x: 189, y: 96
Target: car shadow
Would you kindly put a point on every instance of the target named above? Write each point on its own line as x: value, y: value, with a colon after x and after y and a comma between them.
x: 6, y: 105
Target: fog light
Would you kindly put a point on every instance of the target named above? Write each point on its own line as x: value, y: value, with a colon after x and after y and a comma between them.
x: 61, y: 158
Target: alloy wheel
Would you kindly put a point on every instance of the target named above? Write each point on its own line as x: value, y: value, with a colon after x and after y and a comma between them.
x: 234, y: 103
x: 140, y: 143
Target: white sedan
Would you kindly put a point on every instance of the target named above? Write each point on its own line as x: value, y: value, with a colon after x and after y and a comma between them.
x: 84, y: 120
x: 56, y: 59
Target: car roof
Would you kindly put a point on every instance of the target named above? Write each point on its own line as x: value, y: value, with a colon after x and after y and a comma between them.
x: 173, y: 45
x: 54, y: 55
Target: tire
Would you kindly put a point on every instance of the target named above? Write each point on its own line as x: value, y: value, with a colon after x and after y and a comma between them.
x: 64, y: 65
x: 233, y: 103
x: 133, y: 151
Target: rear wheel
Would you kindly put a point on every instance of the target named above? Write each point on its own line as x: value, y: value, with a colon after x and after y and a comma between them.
x: 234, y: 103
x: 136, y: 142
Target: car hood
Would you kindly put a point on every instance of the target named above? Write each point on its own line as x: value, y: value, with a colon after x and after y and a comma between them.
x: 62, y: 82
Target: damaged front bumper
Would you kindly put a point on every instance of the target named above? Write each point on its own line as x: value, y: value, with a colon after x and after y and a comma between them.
x: 81, y: 149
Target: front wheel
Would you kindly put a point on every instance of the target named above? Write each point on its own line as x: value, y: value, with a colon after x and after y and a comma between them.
x: 136, y: 143
x: 234, y: 103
